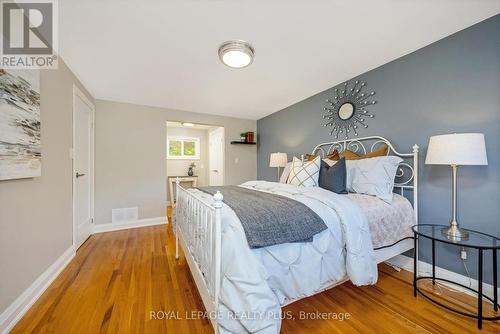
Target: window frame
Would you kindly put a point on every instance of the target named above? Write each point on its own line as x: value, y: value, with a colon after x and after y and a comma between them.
x: 183, y: 139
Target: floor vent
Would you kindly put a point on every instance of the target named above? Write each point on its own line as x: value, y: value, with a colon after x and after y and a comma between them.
x: 124, y: 214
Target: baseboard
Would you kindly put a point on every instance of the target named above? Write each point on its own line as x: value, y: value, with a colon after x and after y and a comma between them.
x: 99, y: 228
x: 406, y: 263
x: 22, y: 304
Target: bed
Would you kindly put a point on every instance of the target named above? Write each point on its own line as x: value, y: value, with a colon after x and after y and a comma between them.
x: 244, y: 289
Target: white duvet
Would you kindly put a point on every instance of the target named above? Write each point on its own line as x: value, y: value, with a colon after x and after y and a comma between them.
x: 257, y: 282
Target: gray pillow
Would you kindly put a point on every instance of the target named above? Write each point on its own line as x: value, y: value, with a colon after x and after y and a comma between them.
x: 333, y: 178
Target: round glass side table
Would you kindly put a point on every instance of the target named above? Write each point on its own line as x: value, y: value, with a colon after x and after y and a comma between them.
x: 476, y: 240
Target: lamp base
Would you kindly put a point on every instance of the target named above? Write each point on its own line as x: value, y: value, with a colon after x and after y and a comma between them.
x: 455, y: 233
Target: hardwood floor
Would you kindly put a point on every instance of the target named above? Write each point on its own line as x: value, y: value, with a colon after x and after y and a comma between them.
x: 118, y: 278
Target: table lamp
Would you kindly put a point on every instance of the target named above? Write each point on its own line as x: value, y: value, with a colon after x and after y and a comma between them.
x: 459, y: 149
x: 278, y: 160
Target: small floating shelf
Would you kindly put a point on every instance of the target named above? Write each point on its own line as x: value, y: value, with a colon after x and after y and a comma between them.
x: 244, y: 142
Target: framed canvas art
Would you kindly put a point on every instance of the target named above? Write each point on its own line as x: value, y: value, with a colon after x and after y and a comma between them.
x: 20, y: 142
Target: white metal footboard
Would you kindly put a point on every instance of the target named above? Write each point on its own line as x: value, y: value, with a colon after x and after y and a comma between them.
x: 197, y: 226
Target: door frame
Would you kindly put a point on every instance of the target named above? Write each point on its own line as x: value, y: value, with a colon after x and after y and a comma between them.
x: 223, y: 157
x: 78, y: 93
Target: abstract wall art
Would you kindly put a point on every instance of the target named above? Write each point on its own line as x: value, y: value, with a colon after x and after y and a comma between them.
x: 20, y: 142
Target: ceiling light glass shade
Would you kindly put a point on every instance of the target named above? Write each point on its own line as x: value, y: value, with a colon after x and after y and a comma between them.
x: 236, y: 53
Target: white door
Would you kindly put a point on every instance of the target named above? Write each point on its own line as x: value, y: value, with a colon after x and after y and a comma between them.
x: 216, y: 157
x: 83, y: 173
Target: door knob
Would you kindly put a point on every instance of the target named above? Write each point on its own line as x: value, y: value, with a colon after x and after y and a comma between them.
x: 78, y: 174
x: 215, y: 170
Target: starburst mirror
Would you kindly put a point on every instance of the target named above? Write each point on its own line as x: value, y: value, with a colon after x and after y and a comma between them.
x: 347, y: 111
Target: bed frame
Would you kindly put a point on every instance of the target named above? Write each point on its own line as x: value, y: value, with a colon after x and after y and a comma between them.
x: 197, y: 224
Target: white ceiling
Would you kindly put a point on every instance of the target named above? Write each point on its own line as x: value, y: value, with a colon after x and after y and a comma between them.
x: 164, y: 53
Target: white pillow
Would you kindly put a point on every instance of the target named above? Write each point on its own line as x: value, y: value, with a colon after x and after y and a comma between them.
x: 288, y: 167
x: 373, y: 176
x: 305, y: 173
x: 286, y: 172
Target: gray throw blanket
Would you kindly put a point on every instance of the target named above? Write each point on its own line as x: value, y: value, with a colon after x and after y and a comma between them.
x: 270, y: 219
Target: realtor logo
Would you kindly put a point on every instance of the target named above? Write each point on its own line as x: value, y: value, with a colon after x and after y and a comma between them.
x: 29, y: 34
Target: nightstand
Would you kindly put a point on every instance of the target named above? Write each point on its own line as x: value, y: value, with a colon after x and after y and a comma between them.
x: 171, y: 181
x: 477, y: 240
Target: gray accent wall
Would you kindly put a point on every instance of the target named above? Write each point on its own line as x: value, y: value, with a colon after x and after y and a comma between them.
x: 452, y: 85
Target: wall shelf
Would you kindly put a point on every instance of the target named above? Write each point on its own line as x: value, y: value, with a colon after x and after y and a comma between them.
x: 244, y: 142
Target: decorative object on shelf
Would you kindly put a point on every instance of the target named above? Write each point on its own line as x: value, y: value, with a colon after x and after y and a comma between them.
x: 190, y: 169
x: 246, y: 138
x: 20, y: 136
x: 278, y: 160
x: 249, y: 137
x: 347, y: 110
x: 236, y: 53
x: 458, y: 149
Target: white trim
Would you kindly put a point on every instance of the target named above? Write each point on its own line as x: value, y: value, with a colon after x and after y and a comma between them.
x: 100, y: 228
x: 16, y: 310
x: 77, y: 92
x: 406, y: 263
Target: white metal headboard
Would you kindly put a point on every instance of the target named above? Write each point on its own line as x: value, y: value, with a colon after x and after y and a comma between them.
x: 407, y: 174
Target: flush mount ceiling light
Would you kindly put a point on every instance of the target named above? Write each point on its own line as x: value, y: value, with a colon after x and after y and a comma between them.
x: 236, y: 53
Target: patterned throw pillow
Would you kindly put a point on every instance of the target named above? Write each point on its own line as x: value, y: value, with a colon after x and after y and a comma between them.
x: 304, y: 174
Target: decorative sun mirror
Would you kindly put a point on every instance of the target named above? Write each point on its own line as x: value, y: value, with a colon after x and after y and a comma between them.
x: 347, y: 110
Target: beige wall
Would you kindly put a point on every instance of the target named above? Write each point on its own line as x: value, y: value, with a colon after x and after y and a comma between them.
x: 36, y: 214
x: 177, y: 167
x: 130, y: 156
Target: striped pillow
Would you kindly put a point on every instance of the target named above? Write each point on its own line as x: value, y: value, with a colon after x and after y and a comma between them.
x: 304, y: 174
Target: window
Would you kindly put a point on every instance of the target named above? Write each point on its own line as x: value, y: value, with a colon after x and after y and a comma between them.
x: 183, y: 148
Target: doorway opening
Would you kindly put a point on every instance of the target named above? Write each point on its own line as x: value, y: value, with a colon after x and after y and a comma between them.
x: 195, y: 155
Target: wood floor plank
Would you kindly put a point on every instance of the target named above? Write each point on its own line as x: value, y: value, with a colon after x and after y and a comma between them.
x: 118, y: 278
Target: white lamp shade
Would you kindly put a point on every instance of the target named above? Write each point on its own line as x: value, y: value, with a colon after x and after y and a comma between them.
x: 457, y: 149
x: 278, y: 160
